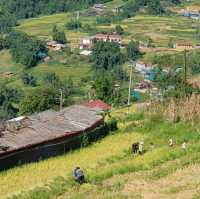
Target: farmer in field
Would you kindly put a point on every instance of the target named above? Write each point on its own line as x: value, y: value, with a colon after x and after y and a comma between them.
x: 79, y: 175
x: 135, y: 147
x: 141, y: 150
x: 184, y: 145
x: 152, y: 146
x: 171, y: 143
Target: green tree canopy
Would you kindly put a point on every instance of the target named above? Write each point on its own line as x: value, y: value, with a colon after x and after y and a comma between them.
x: 59, y: 35
x: 8, y: 97
x: 25, y: 49
x: 133, y: 50
x: 39, y: 99
x: 107, y: 55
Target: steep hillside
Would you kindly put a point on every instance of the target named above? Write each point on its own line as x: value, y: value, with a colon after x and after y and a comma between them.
x: 112, y: 171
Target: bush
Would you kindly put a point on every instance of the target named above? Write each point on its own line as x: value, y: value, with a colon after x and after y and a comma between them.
x: 119, y: 30
x: 112, y: 124
x: 28, y: 79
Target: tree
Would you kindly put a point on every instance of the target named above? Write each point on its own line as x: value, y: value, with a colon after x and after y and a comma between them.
x: 107, y: 55
x: 7, y: 21
x: 25, y: 49
x: 155, y: 7
x: 28, y: 79
x: 119, y: 30
x: 133, y: 50
x: 39, y: 99
x: 104, y: 86
x: 8, y: 97
x: 59, y: 36
x: 51, y: 79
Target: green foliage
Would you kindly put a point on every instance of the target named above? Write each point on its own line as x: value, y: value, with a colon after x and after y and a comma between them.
x: 74, y: 24
x: 133, y: 50
x: 8, y: 97
x: 155, y: 7
x: 32, y: 8
x: 25, y: 49
x: 119, y: 30
x: 107, y: 55
x: 28, y: 79
x: 51, y: 79
x: 59, y: 36
x: 3, y: 43
x: 38, y: 100
x: 112, y: 124
x: 7, y: 21
x: 84, y: 140
x: 104, y: 86
x: 195, y: 69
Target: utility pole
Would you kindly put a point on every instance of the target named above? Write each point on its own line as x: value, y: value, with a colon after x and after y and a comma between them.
x: 77, y: 16
x: 130, y: 85
x: 61, y: 99
x: 185, y: 69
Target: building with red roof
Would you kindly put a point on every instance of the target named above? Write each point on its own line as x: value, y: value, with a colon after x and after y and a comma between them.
x: 98, y: 105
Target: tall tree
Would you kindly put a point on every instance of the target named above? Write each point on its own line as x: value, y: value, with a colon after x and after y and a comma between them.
x: 25, y: 49
x: 107, y: 55
x: 133, y: 50
x: 59, y: 35
x: 155, y: 7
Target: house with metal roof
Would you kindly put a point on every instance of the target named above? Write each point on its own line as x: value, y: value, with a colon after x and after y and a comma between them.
x: 49, y: 133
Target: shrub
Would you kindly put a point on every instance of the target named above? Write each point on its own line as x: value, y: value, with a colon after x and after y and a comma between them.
x: 112, y: 124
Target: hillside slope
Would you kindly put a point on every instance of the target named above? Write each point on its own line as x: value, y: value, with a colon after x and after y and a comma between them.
x: 112, y: 171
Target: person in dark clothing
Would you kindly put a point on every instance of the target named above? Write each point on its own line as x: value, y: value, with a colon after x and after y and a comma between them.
x: 79, y: 175
x: 135, y: 147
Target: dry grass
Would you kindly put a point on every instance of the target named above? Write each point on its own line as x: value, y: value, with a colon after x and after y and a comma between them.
x: 32, y: 175
x: 187, y: 109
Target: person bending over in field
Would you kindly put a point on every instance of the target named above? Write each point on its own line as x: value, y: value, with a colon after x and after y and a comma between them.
x: 79, y: 175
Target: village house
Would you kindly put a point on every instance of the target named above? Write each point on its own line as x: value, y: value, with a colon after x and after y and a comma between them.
x: 55, y: 46
x: 143, y: 86
x: 192, y: 14
x: 87, y: 43
x: 99, y: 7
x: 49, y: 133
x: 183, y: 46
x: 142, y: 67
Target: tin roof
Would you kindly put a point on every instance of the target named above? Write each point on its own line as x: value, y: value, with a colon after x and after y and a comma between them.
x: 48, y: 126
